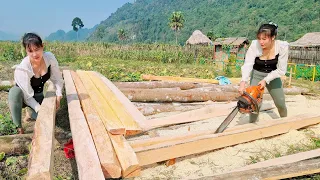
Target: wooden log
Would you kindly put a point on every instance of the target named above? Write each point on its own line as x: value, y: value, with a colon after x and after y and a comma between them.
x: 149, y: 95
x: 88, y: 163
x: 234, y: 88
x: 147, y: 110
x: 183, y: 79
x: 40, y: 164
x: 15, y: 144
x: 107, y: 156
x: 283, y: 171
x: 197, y: 115
x: 129, y: 106
x: 154, y: 84
x: 107, y: 115
x: 131, y: 126
x: 198, y: 144
x: 126, y: 155
x: 6, y: 85
x: 159, y: 89
x: 155, y: 108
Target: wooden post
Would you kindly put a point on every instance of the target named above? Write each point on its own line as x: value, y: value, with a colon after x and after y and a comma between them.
x: 314, y: 73
x: 290, y: 77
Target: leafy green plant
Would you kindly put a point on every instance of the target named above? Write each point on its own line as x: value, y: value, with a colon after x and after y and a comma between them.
x: 11, y: 161
x: 2, y: 154
x: 7, y: 127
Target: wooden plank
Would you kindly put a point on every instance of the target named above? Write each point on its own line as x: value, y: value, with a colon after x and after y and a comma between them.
x: 129, y: 106
x: 126, y: 155
x: 126, y: 119
x: 173, y: 149
x: 283, y: 171
x: 41, y: 156
x: 183, y: 79
x: 282, y: 160
x: 107, y: 115
x: 210, y: 111
x: 107, y: 156
x: 88, y: 163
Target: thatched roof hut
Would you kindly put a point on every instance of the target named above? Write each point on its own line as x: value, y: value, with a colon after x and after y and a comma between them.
x: 306, y: 50
x: 233, y: 41
x: 308, y: 40
x: 197, y: 38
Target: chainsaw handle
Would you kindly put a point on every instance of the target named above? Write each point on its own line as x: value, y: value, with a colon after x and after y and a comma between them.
x: 260, y: 87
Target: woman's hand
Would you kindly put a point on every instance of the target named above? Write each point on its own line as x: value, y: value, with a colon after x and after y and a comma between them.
x: 262, y: 84
x: 58, y: 102
x: 242, y: 87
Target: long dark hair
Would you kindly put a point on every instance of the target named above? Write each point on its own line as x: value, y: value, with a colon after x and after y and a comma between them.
x: 31, y: 39
x: 269, y: 30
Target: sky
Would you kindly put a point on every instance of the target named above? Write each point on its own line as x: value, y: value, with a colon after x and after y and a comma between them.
x: 45, y: 17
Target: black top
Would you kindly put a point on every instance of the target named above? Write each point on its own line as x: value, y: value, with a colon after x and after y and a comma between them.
x: 265, y: 65
x: 38, y: 83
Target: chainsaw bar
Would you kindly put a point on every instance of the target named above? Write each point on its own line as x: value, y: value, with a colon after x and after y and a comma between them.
x: 228, y: 120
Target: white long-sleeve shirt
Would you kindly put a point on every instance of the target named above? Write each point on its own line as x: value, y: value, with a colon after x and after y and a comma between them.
x: 255, y: 50
x: 24, y: 72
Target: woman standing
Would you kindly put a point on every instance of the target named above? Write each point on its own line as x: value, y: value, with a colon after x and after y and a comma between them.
x: 266, y: 61
x: 30, y: 76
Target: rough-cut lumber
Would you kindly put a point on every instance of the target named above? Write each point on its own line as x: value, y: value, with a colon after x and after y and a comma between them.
x: 129, y: 107
x: 107, y: 156
x: 173, y: 149
x: 197, y: 115
x: 155, y: 84
x: 126, y: 155
x: 40, y: 164
x: 88, y: 163
x: 126, y: 119
x: 282, y: 160
x: 283, y: 171
x: 15, y: 144
x: 107, y: 115
x: 182, y: 79
x: 154, y: 95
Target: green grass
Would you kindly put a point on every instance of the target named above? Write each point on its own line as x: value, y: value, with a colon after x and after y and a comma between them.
x: 130, y: 70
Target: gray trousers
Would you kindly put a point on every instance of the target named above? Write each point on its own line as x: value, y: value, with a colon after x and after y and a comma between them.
x: 276, y: 91
x: 16, y: 103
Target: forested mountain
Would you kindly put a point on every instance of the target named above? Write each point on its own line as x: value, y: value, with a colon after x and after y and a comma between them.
x: 61, y: 35
x: 147, y: 20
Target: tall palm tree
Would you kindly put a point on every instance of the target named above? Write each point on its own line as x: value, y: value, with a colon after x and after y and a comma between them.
x: 77, y: 24
x: 121, y: 34
x: 176, y: 22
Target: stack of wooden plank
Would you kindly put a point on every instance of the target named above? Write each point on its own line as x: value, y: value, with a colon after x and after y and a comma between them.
x: 101, y: 117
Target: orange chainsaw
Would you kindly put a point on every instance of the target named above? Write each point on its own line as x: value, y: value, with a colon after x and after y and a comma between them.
x: 248, y: 102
